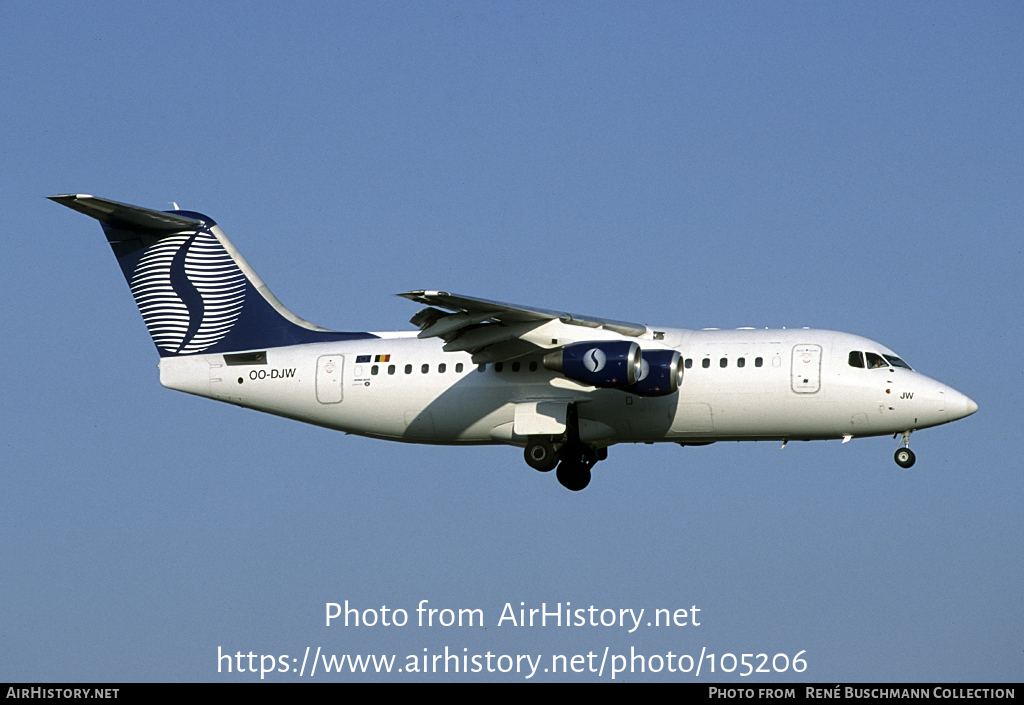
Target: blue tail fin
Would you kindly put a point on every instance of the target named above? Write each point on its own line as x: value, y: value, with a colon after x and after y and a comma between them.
x: 195, y: 291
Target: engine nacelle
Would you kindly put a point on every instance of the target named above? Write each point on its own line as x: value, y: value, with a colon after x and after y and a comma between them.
x: 613, y: 364
x: 661, y: 374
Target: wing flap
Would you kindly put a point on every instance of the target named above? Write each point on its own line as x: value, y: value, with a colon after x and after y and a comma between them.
x: 481, y: 336
x: 444, y: 327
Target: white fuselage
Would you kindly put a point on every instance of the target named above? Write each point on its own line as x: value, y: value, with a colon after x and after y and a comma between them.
x: 741, y: 384
x: 562, y: 385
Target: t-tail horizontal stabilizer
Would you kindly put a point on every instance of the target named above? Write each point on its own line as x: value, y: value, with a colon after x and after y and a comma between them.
x: 195, y: 291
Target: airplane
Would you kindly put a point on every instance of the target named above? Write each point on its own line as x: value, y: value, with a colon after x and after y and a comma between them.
x: 563, y: 387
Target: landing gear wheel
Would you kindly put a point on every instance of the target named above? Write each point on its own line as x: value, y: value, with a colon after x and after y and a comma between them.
x: 541, y: 455
x: 573, y: 476
x: 904, y: 457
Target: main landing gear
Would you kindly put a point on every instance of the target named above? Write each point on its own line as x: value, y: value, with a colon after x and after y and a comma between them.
x: 904, y: 456
x: 573, y: 458
x: 541, y: 454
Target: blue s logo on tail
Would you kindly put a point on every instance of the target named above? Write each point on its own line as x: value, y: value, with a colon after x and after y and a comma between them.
x: 190, y: 292
x: 194, y: 290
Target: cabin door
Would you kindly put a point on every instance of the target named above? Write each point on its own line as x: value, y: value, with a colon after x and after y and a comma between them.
x: 328, y: 378
x: 806, y: 373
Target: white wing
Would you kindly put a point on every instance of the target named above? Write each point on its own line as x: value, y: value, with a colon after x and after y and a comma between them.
x: 493, y: 331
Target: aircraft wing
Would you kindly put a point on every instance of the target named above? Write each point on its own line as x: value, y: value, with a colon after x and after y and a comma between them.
x: 493, y: 331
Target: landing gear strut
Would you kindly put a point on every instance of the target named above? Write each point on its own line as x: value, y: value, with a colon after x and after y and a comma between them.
x: 573, y: 458
x: 904, y: 456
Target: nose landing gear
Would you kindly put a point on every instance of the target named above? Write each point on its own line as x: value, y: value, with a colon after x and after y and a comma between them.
x: 904, y: 457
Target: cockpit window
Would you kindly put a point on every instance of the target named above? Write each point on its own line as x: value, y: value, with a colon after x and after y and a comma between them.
x: 896, y: 362
x: 875, y: 361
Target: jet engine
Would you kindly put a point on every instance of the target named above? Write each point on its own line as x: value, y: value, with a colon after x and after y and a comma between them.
x: 613, y: 364
x: 661, y: 374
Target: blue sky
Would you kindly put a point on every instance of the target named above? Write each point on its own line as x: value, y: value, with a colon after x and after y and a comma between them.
x: 741, y: 164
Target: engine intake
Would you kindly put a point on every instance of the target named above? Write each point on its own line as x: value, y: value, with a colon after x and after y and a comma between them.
x: 661, y: 374
x: 614, y: 364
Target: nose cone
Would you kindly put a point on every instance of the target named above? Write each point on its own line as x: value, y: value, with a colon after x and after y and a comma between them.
x: 958, y: 405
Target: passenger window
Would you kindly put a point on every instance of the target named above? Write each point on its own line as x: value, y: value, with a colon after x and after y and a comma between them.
x: 458, y: 367
x: 724, y: 362
x: 424, y: 368
x: 408, y: 369
x: 499, y: 366
x: 758, y: 361
x: 533, y: 366
x: 705, y: 363
x: 374, y: 370
x: 856, y: 359
x: 688, y: 363
x: 741, y: 362
x: 875, y: 361
x: 441, y: 368
x: 515, y: 366
x: 482, y: 367
x: 391, y: 369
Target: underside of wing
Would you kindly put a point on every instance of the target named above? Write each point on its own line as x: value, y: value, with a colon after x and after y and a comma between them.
x: 493, y: 331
